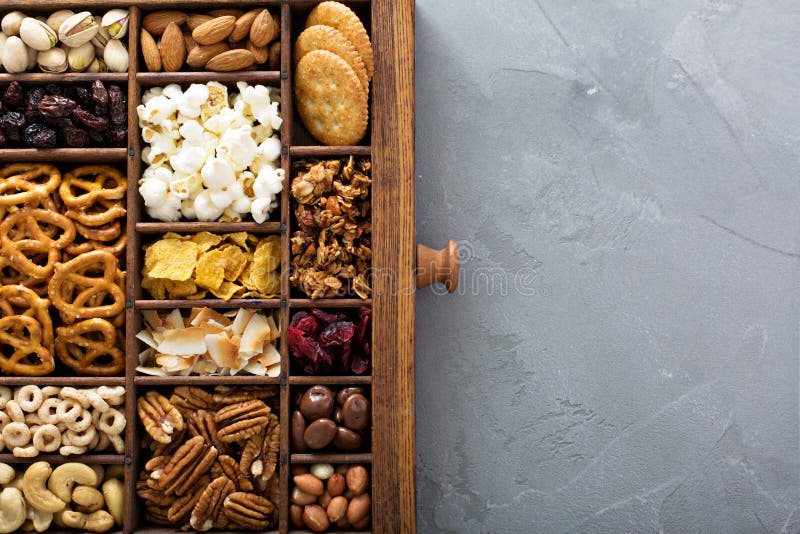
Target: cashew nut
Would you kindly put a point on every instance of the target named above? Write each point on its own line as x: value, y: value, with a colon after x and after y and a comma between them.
x: 113, y: 493
x: 88, y: 498
x: 65, y: 476
x: 36, y: 493
x: 41, y: 520
x: 99, y: 521
x: 12, y: 510
x: 7, y: 474
x: 99, y: 470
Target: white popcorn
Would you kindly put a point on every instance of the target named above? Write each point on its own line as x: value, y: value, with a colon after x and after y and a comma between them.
x: 188, y: 160
x: 154, y: 192
x: 169, y: 211
x: 192, y: 132
x: 269, y: 182
x: 217, y: 173
x: 156, y: 110
x: 183, y: 186
x: 205, y: 209
x: 242, y: 204
x: 231, y: 213
x: 187, y: 209
x: 237, y: 146
x: 271, y: 148
x: 260, y: 210
x: 172, y: 90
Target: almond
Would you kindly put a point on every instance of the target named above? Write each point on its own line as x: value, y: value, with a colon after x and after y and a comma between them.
x: 263, y: 29
x: 189, y: 42
x: 226, y: 13
x: 152, y: 57
x: 173, y: 49
x: 157, y: 21
x: 194, y: 20
x: 231, y: 60
x: 215, y: 30
x: 274, y: 60
x: 242, y: 27
x: 202, y: 54
x: 261, y: 53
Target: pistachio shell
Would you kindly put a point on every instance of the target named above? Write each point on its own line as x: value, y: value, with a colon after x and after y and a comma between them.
x: 81, y: 57
x: 53, y: 60
x: 101, y: 39
x: 3, y: 39
x: 78, y: 29
x: 115, y: 22
x: 55, y: 20
x: 116, y: 56
x: 98, y: 65
x: 33, y: 55
x: 37, y: 34
x: 15, y: 55
x: 11, y: 23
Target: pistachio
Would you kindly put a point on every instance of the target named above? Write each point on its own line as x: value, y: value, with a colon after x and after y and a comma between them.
x: 33, y: 55
x: 53, y: 60
x: 98, y: 65
x: 37, y: 34
x: 11, y: 23
x: 101, y: 39
x: 116, y: 56
x: 81, y: 57
x: 15, y: 55
x: 55, y: 20
x: 115, y: 22
x: 78, y: 29
x: 3, y: 39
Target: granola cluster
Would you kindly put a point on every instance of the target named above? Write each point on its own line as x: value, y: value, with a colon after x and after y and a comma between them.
x: 331, y: 253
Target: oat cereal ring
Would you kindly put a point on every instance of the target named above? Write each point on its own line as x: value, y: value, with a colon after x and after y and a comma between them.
x: 5, y: 395
x: 4, y: 420
x: 61, y: 427
x: 16, y: 434
x: 97, y: 402
x: 80, y: 424
x: 67, y: 450
x: 50, y: 391
x: 116, y: 441
x: 81, y: 439
x: 47, y: 411
x: 15, y: 412
x: 34, y: 428
x: 33, y: 419
x: 2, y: 443
x: 102, y: 442
x: 112, y: 422
x: 68, y: 411
x: 109, y: 393
x: 26, y: 452
x: 95, y: 440
x: 47, y: 438
x: 29, y: 398
x: 77, y: 395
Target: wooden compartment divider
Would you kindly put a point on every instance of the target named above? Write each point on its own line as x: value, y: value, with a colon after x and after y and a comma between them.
x: 391, y: 460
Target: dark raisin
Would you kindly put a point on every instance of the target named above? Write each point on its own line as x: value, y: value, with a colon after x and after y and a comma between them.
x: 83, y: 96
x: 60, y: 122
x: 54, y: 89
x: 14, y: 135
x: 117, y: 105
x: 117, y: 136
x: 39, y: 136
x: 3, y: 139
x: 90, y: 120
x: 12, y: 119
x: 12, y: 96
x: 99, y: 97
x: 75, y: 137
x: 54, y: 106
x: 97, y: 137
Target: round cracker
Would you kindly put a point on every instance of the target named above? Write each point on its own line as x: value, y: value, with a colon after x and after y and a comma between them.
x: 328, y: 38
x: 343, y: 19
x: 330, y: 99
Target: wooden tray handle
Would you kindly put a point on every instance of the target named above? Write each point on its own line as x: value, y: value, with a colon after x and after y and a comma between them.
x: 440, y: 266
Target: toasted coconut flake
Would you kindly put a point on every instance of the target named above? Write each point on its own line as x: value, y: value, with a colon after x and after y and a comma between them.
x: 174, y: 320
x: 274, y: 370
x: 254, y: 367
x: 183, y: 341
x: 223, y: 351
x: 204, y: 315
x: 173, y: 364
x: 241, y: 320
x: 275, y: 330
x: 146, y: 356
x: 270, y: 356
x: 152, y: 371
x: 147, y: 338
x: 152, y: 319
x: 256, y: 332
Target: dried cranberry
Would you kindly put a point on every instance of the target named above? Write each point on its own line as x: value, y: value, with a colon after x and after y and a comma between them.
x: 324, y: 316
x: 365, y: 318
x: 75, y: 137
x: 39, y: 136
x: 305, y: 323
x: 12, y: 96
x: 91, y: 121
x: 55, y: 106
x: 360, y: 365
x: 117, y: 105
x: 337, y: 334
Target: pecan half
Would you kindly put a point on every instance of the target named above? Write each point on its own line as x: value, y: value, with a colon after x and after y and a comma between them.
x: 249, y: 511
x: 208, y: 511
x: 182, y: 508
x: 189, y: 463
x: 188, y: 399
x: 227, y: 466
x: 270, y: 447
x: 202, y: 423
x: 250, y: 462
x: 159, y: 417
x: 238, y: 422
x: 156, y: 514
x: 242, y: 394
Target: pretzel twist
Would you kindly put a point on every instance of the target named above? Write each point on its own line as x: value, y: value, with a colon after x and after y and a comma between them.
x: 26, y: 328
x: 80, y: 286
x: 90, y: 348
x: 94, y: 180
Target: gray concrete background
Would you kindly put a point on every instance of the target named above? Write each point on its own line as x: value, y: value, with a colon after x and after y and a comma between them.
x: 632, y: 168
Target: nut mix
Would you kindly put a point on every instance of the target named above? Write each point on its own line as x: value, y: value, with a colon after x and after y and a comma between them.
x: 65, y: 420
x: 75, y: 495
x: 237, y: 265
x: 222, y: 41
x: 325, y: 343
x: 323, y: 496
x: 332, y: 250
x: 213, y: 458
x: 209, y: 343
x: 87, y: 43
x: 73, y: 116
x: 211, y: 156
x: 324, y: 419
x: 61, y: 239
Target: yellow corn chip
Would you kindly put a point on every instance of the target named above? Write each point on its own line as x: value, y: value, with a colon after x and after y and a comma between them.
x: 226, y: 290
x: 268, y: 253
x: 180, y: 290
x: 172, y: 259
x: 173, y: 235
x: 206, y: 240
x: 272, y: 288
x: 199, y: 295
x: 240, y: 238
x: 211, y: 269
x: 154, y: 286
x: 236, y: 261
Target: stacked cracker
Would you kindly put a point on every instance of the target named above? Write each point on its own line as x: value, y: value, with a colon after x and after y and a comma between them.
x: 334, y: 67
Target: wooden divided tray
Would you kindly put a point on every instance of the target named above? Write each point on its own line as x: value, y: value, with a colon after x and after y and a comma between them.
x: 389, y: 456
